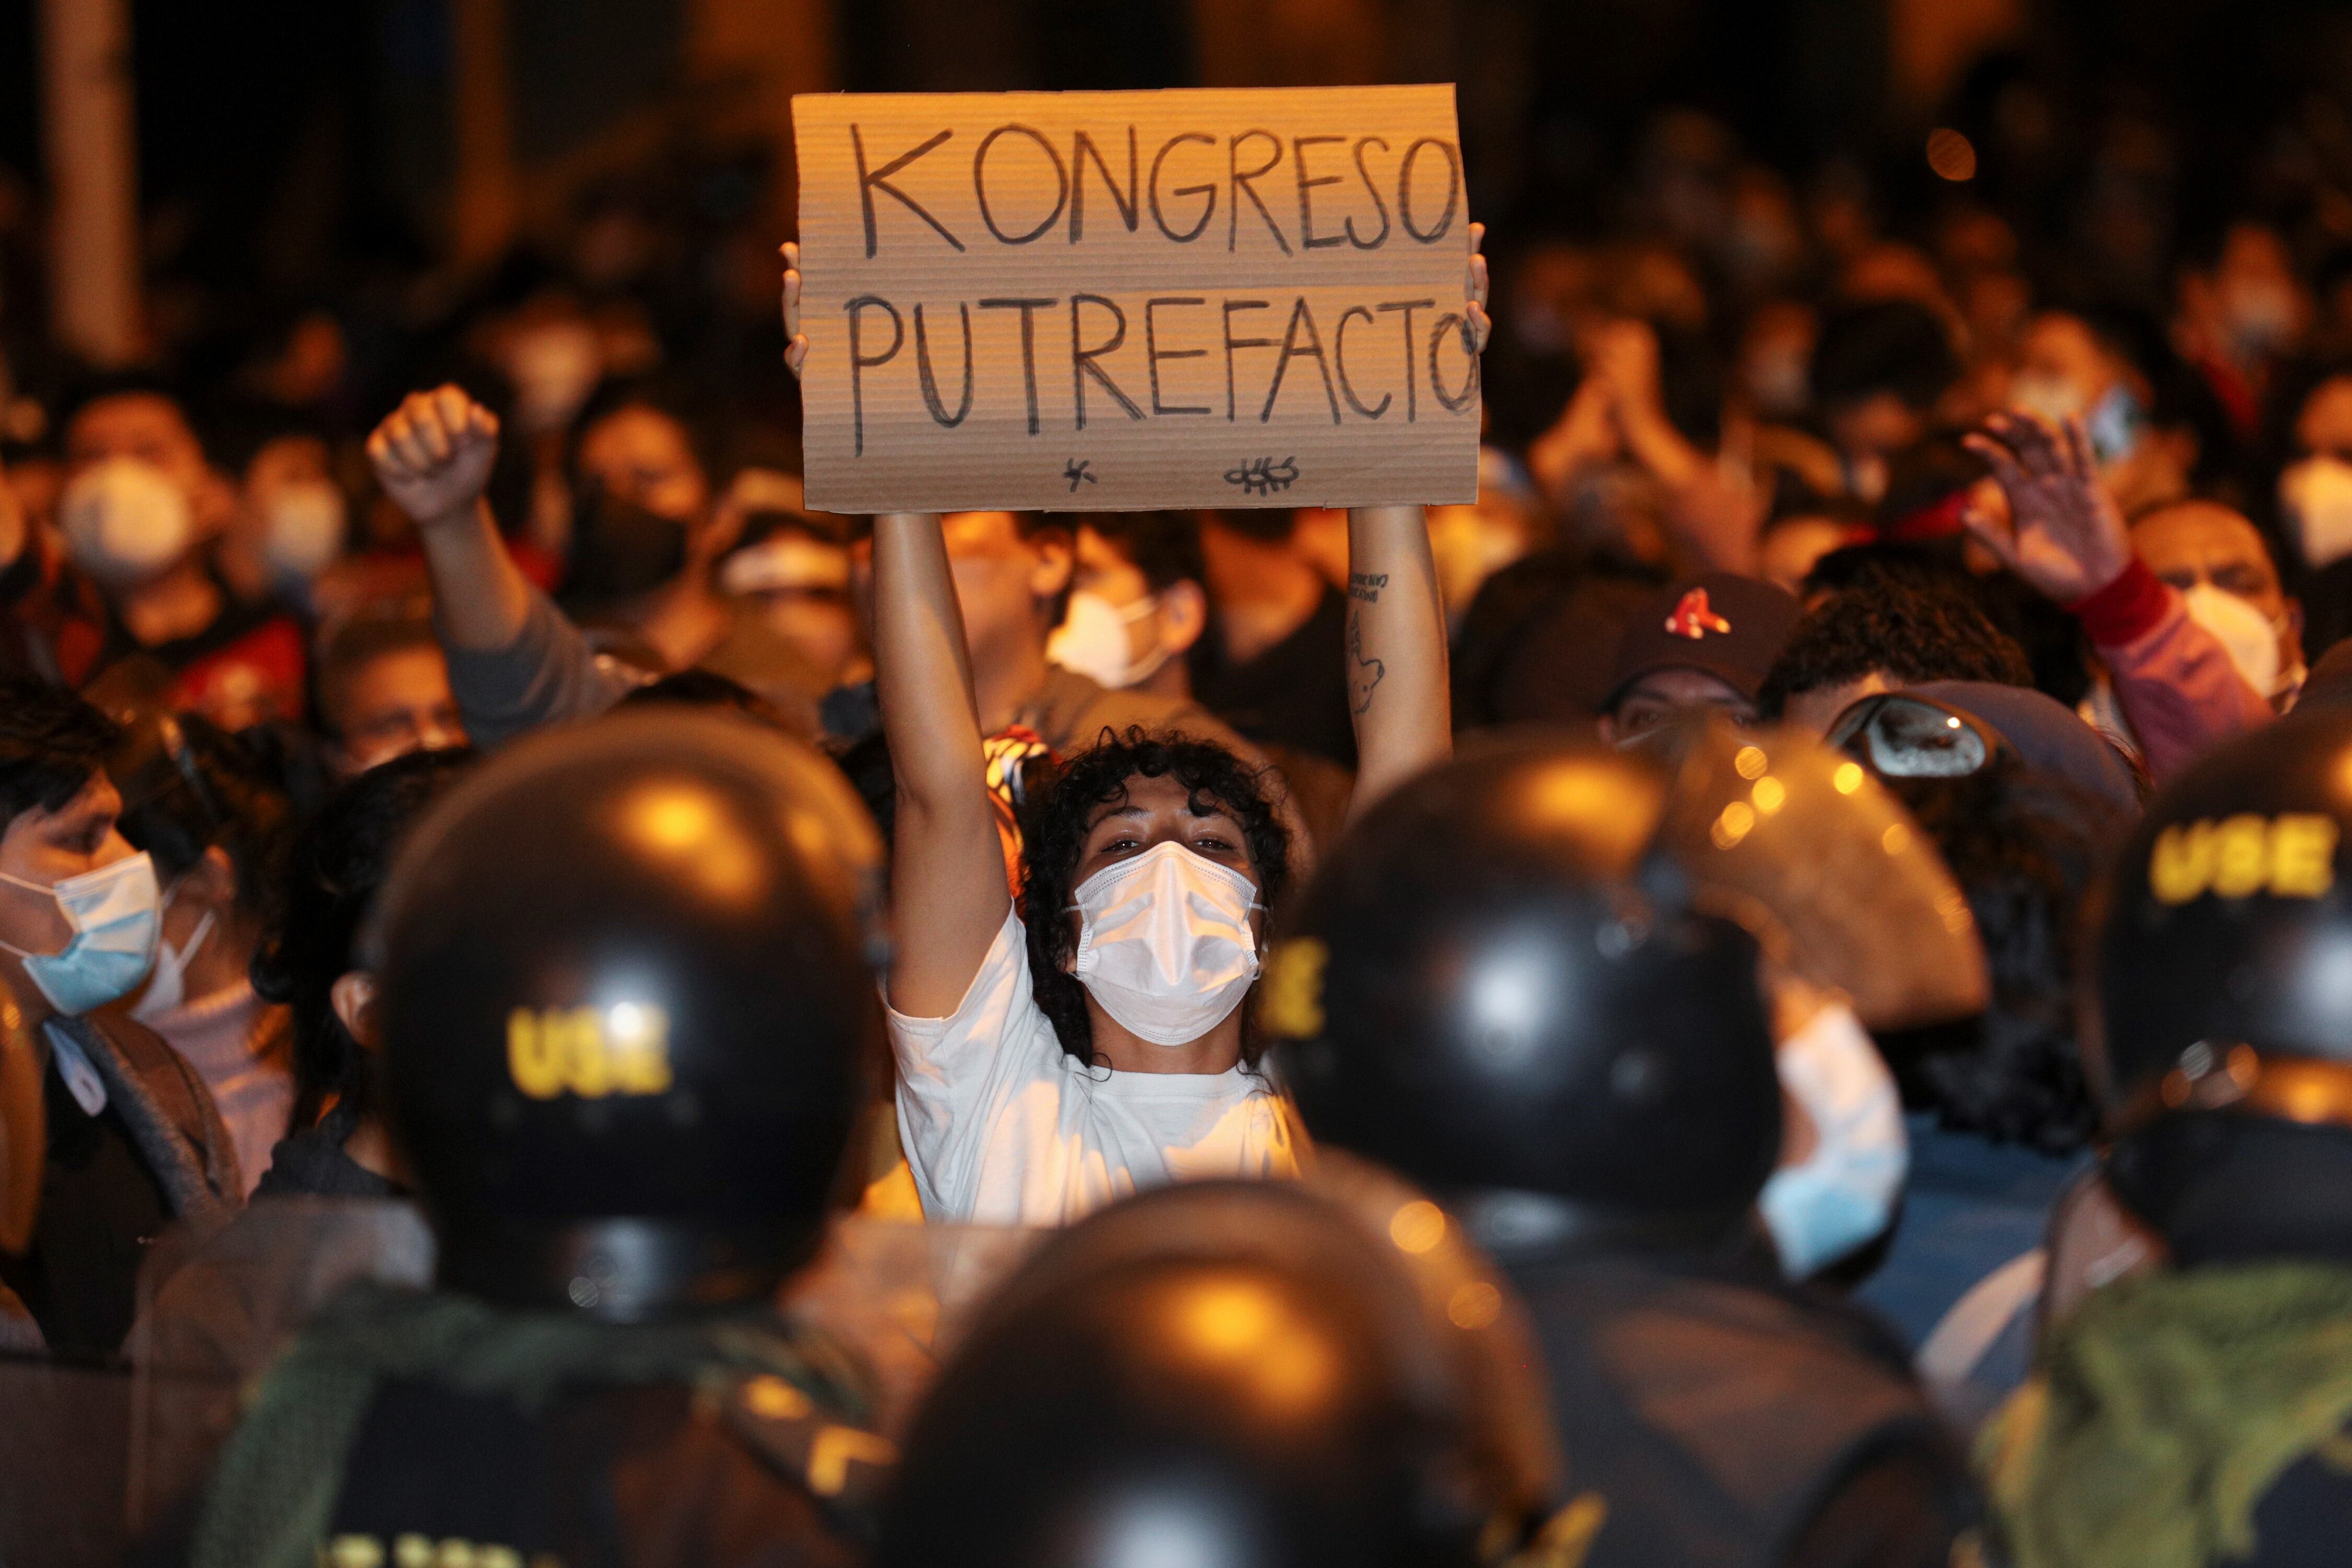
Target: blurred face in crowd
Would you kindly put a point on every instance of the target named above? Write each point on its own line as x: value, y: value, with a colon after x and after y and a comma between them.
x: 150, y: 427
x: 805, y: 598
x: 2250, y: 307
x: 44, y: 847
x: 642, y: 456
x: 1006, y: 584
x: 2199, y: 542
x: 1162, y: 624
x: 395, y: 703
x: 1661, y: 695
x: 2325, y: 422
x: 2061, y: 368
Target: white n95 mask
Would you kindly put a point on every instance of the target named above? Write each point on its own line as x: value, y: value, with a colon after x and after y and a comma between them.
x: 1165, y: 943
x: 1093, y: 640
x: 1841, y: 1196
x: 125, y: 520
x: 2251, y: 640
x: 2316, y: 496
x: 116, y: 916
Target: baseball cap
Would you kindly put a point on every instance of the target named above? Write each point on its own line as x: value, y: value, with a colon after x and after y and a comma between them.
x: 1717, y: 623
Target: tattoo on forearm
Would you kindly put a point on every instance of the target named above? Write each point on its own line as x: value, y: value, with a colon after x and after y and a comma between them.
x: 1365, y: 586
x: 1363, y: 674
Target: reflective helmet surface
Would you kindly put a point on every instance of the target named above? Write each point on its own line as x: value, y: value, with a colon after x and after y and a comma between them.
x: 629, y: 1012
x: 2221, y: 1044
x: 1500, y: 980
x: 1220, y: 1374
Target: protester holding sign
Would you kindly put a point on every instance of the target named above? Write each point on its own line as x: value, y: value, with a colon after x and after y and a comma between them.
x: 1093, y: 1041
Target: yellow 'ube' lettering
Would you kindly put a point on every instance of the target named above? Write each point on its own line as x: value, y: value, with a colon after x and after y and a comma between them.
x: 589, y: 1051
x: 2292, y: 855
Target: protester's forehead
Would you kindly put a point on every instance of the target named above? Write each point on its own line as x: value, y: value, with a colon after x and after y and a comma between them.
x: 2197, y: 531
x: 124, y: 418
x: 2059, y: 340
x: 1682, y: 685
x: 97, y: 801
x: 632, y: 432
x: 1150, y: 794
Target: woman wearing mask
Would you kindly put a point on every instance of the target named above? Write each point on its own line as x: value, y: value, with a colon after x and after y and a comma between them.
x: 214, y: 829
x: 1094, y: 1041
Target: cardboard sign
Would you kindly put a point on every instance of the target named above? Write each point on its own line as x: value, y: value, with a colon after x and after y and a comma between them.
x: 1106, y: 300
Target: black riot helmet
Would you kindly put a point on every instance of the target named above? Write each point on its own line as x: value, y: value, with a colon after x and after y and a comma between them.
x: 1237, y: 1374
x: 2221, y: 1039
x: 629, y: 1012
x: 1504, y: 985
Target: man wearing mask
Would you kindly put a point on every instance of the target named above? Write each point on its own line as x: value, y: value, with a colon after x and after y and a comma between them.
x: 2222, y: 567
x: 128, y: 1137
x: 645, y: 537
x: 140, y: 513
x: 2078, y: 364
x: 2242, y: 313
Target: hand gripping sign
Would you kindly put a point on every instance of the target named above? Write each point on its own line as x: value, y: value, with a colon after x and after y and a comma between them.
x: 1103, y: 301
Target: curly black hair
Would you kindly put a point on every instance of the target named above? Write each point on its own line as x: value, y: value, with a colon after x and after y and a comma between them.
x: 1911, y: 631
x: 1060, y: 812
x: 2025, y: 848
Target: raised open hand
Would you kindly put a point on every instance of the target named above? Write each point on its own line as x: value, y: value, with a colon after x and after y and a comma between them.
x: 2064, y: 534
x: 433, y: 454
x: 796, y: 345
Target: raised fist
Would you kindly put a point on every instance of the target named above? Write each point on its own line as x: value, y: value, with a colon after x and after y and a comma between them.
x: 433, y: 454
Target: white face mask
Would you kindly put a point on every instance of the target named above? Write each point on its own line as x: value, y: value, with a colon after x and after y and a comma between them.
x: 302, y: 528
x: 1165, y: 942
x: 2316, y: 496
x: 125, y: 520
x: 167, y: 988
x: 1842, y: 1194
x: 1094, y: 640
x: 2249, y: 634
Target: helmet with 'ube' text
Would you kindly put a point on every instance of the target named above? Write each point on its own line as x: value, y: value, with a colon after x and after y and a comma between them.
x: 2222, y: 1040
x: 630, y: 1020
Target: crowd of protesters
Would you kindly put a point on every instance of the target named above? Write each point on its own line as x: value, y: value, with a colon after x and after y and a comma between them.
x: 1868, y: 615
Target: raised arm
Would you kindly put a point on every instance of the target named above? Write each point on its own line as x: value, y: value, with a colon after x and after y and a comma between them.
x: 948, y: 896
x: 433, y: 456
x: 1397, y: 687
x: 947, y: 867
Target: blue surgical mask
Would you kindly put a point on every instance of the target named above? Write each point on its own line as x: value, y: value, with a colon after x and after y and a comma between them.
x: 116, y: 914
x: 1841, y: 1195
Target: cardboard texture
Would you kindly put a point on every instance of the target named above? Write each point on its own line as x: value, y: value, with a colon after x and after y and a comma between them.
x: 1118, y: 301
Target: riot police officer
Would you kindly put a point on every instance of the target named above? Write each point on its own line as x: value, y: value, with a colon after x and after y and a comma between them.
x: 1220, y: 1374
x: 1511, y: 982
x: 2194, y: 1414
x: 629, y: 1019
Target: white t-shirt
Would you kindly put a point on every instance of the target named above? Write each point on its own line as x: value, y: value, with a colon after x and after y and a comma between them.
x: 1001, y: 1126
